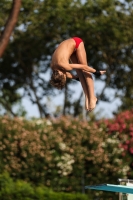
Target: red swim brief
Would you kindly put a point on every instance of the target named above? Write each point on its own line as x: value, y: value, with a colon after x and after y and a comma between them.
x: 77, y: 41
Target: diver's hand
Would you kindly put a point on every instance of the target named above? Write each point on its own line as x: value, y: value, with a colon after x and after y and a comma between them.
x: 99, y: 73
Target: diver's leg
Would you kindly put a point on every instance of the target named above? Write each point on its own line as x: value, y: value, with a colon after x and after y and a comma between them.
x: 82, y: 80
x: 82, y: 59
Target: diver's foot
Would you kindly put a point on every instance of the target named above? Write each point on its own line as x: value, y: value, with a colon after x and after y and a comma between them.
x: 92, y: 104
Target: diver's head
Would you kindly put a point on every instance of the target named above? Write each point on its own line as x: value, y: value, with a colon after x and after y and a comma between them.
x: 58, y: 79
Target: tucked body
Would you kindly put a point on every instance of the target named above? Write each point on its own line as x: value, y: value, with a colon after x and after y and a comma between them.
x: 69, y: 55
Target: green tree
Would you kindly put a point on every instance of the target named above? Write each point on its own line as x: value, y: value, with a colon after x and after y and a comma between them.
x: 29, y: 54
x: 106, y: 28
x: 6, y: 31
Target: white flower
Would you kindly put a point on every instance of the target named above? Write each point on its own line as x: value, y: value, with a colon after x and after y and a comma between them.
x: 62, y: 146
x: 65, y: 164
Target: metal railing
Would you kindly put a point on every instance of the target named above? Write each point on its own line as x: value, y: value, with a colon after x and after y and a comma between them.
x: 125, y: 196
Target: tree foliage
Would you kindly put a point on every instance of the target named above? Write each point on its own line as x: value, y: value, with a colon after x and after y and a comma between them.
x: 106, y: 28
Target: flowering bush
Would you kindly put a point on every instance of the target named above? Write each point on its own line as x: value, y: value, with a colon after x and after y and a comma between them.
x: 122, y: 127
x: 65, y: 154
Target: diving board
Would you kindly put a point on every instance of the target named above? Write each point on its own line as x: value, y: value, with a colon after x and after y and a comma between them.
x: 111, y: 188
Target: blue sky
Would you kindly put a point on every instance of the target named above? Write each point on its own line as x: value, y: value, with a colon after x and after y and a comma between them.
x: 104, y: 109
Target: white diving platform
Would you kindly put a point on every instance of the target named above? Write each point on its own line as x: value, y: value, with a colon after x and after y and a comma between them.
x: 112, y: 188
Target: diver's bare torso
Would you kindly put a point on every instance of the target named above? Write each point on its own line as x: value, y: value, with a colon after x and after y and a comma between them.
x: 61, y: 56
x: 64, y: 52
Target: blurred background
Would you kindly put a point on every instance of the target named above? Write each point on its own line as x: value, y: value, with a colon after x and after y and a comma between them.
x: 51, y: 128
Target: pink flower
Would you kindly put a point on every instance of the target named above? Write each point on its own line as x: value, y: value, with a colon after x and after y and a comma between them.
x: 130, y: 127
x: 125, y: 147
x: 131, y: 150
x: 131, y: 133
x: 127, y: 142
x: 123, y: 126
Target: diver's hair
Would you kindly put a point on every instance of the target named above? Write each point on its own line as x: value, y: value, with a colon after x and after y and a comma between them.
x: 57, y: 80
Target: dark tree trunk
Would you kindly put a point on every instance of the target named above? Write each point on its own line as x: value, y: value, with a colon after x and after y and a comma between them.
x: 9, y: 26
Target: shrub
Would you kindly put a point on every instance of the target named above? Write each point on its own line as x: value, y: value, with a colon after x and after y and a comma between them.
x: 21, y: 190
x: 65, y: 154
x: 122, y: 127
